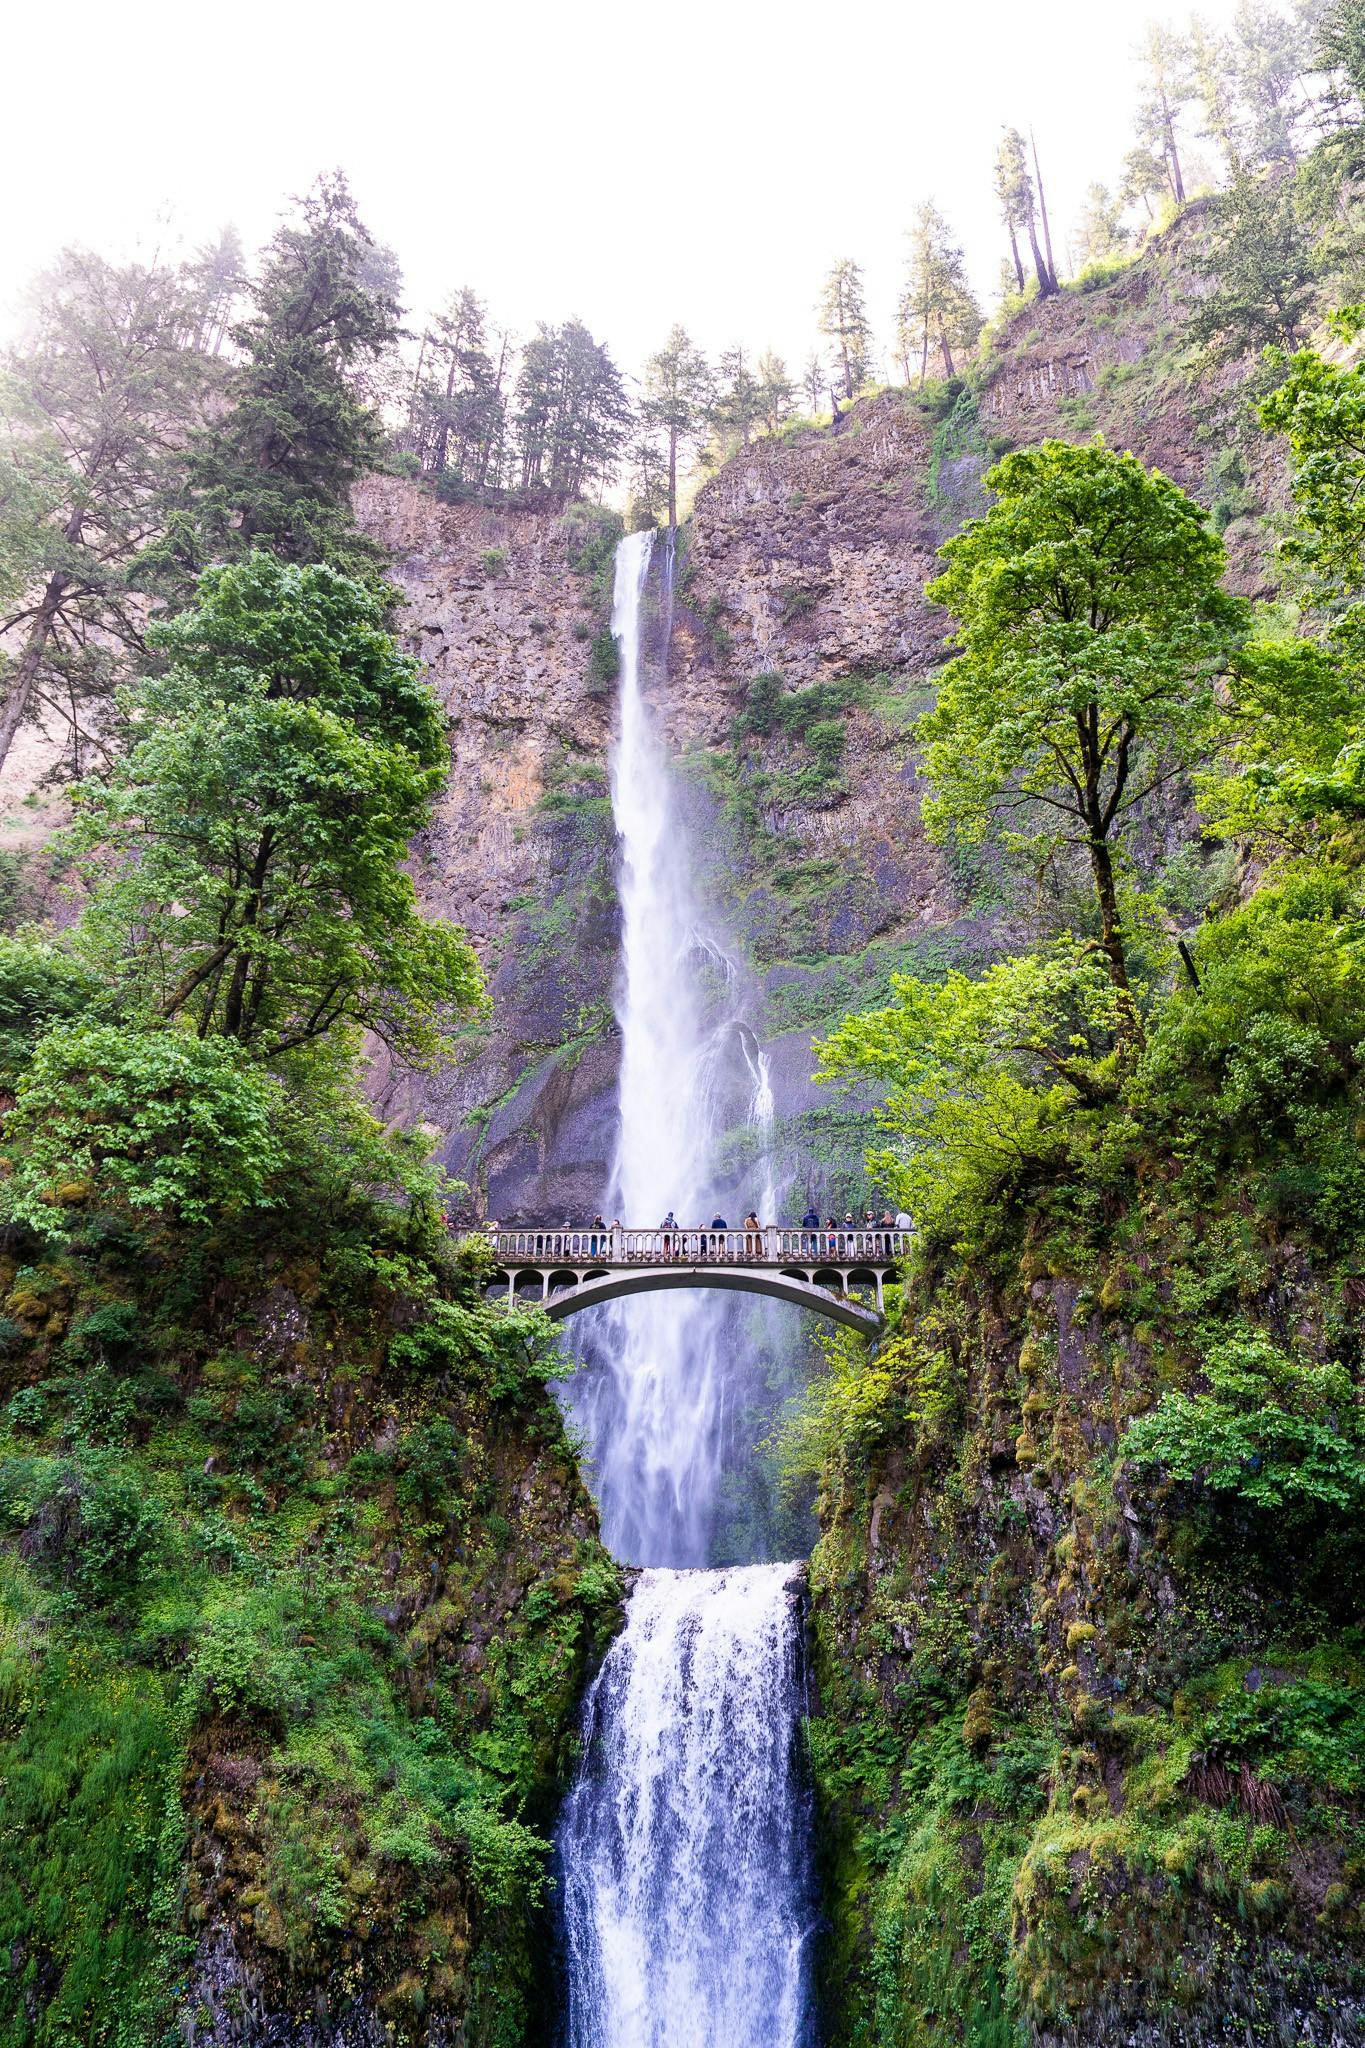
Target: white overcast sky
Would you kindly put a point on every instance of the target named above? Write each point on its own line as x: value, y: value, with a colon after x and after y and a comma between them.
x: 631, y: 164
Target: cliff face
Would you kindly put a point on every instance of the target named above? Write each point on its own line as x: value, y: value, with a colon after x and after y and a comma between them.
x: 802, y: 648
x: 305, y: 1586
x: 1062, y: 1752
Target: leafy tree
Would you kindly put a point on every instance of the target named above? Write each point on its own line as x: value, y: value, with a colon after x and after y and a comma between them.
x: 159, y: 1120
x: 1260, y: 266
x: 1092, y: 627
x: 1320, y: 407
x: 94, y: 410
x: 938, y: 304
x: 1167, y: 92
x: 984, y: 1078
x: 842, y: 319
x: 247, y: 849
x: 1099, y: 232
x: 1019, y: 208
x: 40, y: 985
x: 813, y: 382
x: 1270, y: 55
x: 676, y: 401
x: 277, y: 470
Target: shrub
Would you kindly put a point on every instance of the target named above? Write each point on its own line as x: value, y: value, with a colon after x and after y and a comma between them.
x: 155, y: 1120
x: 1273, y: 1431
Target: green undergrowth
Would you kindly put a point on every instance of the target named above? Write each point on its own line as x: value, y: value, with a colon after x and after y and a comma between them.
x: 298, y: 1585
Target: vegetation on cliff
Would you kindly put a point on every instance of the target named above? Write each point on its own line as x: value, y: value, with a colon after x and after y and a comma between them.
x: 1087, y: 1602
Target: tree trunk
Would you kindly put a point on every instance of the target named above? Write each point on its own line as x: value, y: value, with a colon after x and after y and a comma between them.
x: 1177, y: 179
x: 1047, y: 284
x: 1015, y: 256
x: 947, y: 354
x: 1111, y: 930
x: 1042, y: 208
x: 20, y: 692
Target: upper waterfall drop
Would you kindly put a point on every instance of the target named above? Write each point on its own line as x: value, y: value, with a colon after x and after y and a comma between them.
x: 662, y: 1404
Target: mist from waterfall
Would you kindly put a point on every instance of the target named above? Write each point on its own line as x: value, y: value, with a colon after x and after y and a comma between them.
x: 663, y: 1395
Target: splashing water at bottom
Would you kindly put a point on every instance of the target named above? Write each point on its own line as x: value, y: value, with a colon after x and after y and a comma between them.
x: 683, y: 1848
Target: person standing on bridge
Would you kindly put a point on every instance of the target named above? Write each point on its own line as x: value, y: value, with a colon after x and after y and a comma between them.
x: 670, y: 1223
x: 716, y: 1245
x: 598, y: 1238
x: 751, y: 1242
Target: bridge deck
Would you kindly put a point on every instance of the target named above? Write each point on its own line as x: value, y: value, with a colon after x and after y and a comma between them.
x: 775, y: 1245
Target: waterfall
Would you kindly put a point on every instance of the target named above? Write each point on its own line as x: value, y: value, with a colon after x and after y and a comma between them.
x: 683, y: 1852
x: 659, y: 1406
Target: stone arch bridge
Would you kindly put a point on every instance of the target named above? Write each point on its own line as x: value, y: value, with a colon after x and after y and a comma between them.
x: 564, y: 1271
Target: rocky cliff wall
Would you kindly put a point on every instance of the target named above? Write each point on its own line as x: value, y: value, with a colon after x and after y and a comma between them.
x: 802, y: 649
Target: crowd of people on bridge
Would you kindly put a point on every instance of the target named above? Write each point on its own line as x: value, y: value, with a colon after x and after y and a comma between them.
x: 871, y: 1236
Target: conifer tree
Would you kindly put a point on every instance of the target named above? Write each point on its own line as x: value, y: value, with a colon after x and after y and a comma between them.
x: 1167, y: 91
x: 938, y: 307
x: 676, y: 402
x: 775, y: 390
x: 1099, y: 232
x: 842, y: 316
x: 277, y: 471
x: 1261, y: 269
x: 737, y: 404
x: 1019, y: 208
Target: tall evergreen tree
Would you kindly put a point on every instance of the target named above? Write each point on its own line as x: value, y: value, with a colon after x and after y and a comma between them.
x: 737, y: 403
x: 1099, y: 232
x: 1261, y: 269
x: 775, y: 389
x: 676, y: 401
x: 938, y: 307
x: 842, y: 315
x: 276, y: 472
x: 572, y: 416
x: 1019, y: 207
x: 1167, y: 91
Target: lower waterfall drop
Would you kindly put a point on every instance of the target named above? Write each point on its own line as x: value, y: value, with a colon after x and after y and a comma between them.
x: 684, y: 1846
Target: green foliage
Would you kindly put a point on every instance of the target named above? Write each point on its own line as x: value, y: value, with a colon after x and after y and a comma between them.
x: 1282, y: 1434
x: 40, y: 985
x: 1092, y: 629
x: 984, y: 1080
x: 289, y: 754
x: 160, y: 1120
x: 275, y: 471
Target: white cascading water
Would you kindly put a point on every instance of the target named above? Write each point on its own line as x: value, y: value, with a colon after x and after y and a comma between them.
x: 656, y: 1407
x: 684, y: 1848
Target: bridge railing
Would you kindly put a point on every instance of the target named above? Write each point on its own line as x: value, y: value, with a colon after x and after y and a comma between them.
x: 772, y: 1245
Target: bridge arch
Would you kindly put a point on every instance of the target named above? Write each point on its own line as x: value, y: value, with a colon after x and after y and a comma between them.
x: 777, y: 1286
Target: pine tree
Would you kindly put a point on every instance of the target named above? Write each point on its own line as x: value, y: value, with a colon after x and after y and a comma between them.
x: 775, y: 390
x: 1167, y: 92
x: 1019, y: 207
x: 1099, y: 232
x: 277, y: 471
x: 842, y: 317
x: 676, y: 402
x: 1261, y: 269
x: 813, y: 383
x: 737, y: 405
x: 938, y: 307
